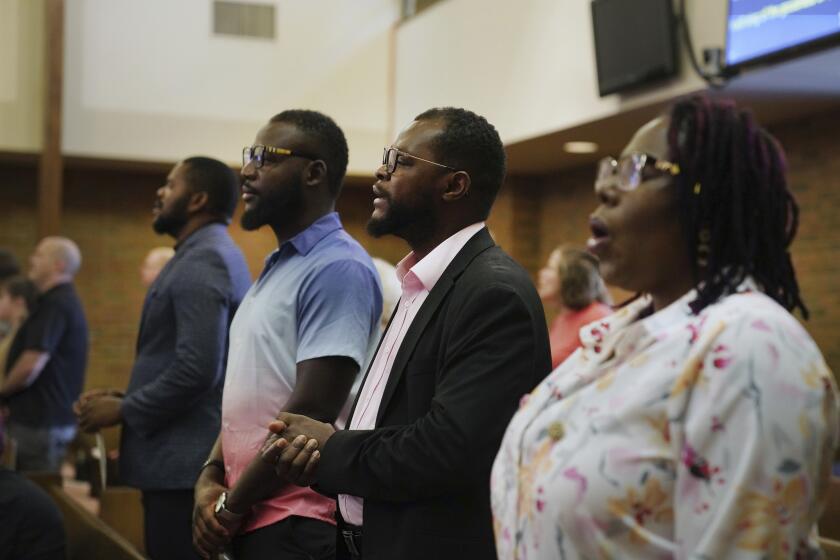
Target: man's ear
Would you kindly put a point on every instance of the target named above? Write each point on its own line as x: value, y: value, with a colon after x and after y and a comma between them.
x: 59, y: 265
x: 198, y: 202
x: 315, y: 173
x: 458, y: 186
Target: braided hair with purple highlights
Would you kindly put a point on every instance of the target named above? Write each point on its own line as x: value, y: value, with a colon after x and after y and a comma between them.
x: 738, y: 215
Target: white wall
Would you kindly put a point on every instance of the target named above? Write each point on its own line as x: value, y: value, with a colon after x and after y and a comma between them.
x: 21, y: 75
x: 526, y: 65
x: 148, y: 80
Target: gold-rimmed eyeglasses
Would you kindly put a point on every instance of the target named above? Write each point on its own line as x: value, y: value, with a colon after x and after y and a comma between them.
x: 629, y: 171
x: 391, y: 158
x: 258, y: 153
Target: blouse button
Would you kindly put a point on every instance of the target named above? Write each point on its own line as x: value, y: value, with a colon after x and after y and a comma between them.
x: 556, y: 431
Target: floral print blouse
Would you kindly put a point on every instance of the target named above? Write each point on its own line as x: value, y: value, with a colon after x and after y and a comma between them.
x: 672, y: 436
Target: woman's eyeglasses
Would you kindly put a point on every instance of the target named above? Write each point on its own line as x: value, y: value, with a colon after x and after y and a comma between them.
x: 629, y: 171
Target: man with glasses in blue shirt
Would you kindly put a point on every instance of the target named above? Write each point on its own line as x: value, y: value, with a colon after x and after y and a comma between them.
x: 298, y: 340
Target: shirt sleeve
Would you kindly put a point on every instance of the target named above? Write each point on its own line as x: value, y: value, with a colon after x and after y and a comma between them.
x: 338, y: 309
x: 45, y: 328
x: 758, y: 429
x: 202, y: 314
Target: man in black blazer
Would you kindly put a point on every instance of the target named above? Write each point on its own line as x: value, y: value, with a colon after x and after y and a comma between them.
x: 468, y: 339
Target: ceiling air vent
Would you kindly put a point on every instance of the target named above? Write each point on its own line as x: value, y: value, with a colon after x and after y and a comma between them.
x: 243, y: 19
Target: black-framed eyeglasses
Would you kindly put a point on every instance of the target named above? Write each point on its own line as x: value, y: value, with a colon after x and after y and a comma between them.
x: 391, y: 158
x: 628, y: 172
x: 258, y: 154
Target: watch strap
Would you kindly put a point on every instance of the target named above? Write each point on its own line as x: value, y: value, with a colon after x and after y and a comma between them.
x: 212, y: 463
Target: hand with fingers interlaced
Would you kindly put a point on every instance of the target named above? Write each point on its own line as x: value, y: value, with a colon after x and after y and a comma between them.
x: 294, y: 447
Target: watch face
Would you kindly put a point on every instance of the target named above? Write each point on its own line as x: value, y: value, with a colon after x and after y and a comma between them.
x: 220, y: 503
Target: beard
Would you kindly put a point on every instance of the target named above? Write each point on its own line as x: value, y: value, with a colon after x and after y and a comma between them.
x: 172, y: 220
x: 272, y: 207
x: 253, y: 218
x: 405, y: 221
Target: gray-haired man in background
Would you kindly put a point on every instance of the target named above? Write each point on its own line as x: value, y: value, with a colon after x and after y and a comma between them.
x: 45, y: 367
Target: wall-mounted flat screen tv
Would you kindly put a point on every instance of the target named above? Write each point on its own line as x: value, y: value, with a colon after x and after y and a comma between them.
x: 764, y: 30
x: 635, y: 42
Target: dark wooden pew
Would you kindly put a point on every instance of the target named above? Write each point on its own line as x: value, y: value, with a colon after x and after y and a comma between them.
x: 88, y: 537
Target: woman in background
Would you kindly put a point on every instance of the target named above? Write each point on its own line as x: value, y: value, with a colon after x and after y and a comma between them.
x: 700, y: 420
x: 570, y: 283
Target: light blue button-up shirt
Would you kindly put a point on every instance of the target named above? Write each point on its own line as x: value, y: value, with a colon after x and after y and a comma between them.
x: 318, y: 295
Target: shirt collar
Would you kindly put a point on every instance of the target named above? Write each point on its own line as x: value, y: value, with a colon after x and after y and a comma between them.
x: 429, y: 269
x: 304, y: 241
x: 595, y: 333
x: 60, y: 287
x: 198, y: 235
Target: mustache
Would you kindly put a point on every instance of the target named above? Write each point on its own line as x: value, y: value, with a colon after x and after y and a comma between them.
x: 379, y: 193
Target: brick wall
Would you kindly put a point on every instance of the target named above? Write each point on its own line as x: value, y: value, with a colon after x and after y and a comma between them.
x: 18, y: 227
x: 108, y: 214
x: 813, y: 148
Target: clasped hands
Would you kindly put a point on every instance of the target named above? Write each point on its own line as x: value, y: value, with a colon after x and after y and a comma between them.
x: 291, y: 451
x: 293, y: 447
x: 98, y: 408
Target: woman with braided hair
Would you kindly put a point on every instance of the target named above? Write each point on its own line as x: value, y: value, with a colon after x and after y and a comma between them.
x: 700, y: 420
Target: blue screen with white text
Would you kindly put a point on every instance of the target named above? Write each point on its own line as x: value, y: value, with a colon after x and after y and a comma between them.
x: 760, y: 27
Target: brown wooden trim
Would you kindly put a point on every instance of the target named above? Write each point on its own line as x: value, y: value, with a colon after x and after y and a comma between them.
x: 156, y: 167
x: 22, y: 159
x: 50, y: 168
x: 73, y: 163
x: 359, y: 182
x: 108, y: 164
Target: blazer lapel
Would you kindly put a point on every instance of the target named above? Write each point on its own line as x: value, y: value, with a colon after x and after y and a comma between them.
x: 370, y: 365
x: 480, y: 242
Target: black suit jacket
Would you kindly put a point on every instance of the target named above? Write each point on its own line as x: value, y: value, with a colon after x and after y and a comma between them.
x: 478, y: 343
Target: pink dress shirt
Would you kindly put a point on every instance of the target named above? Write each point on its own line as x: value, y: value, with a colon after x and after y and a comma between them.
x: 417, y: 279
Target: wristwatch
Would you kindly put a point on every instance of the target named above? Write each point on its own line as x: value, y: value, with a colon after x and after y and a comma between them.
x: 223, y: 513
x: 212, y: 463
